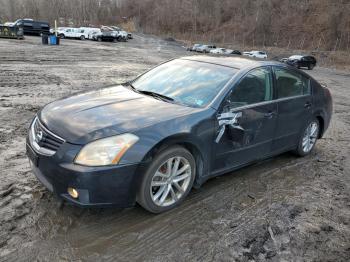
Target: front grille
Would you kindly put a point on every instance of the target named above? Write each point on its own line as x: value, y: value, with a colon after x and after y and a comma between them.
x: 46, y: 139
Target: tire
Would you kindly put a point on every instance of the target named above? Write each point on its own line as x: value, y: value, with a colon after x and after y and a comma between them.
x: 119, y: 38
x: 302, y: 149
x: 99, y: 39
x: 169, y: 191
x: 62, y: 36
x: 115, y: 40
x: 82, y: 37
x: 311, y: 66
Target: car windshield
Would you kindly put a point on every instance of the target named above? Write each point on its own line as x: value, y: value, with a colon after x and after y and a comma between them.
x: 186, y: 82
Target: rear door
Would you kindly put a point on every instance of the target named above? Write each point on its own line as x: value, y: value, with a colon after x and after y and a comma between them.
x: 246, y: 122
x: 294, y: 104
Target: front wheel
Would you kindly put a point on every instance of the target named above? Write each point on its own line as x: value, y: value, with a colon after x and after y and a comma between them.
x: 168, y: 180
x: 308, y: 139
x: 311, y: 66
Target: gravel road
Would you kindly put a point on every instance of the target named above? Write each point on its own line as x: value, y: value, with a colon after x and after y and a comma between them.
x: 282, y: 209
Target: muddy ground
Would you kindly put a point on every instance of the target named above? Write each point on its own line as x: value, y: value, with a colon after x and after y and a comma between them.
x: 283, y: 209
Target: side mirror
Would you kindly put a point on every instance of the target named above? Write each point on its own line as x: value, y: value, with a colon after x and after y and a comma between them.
x: 228, y: 122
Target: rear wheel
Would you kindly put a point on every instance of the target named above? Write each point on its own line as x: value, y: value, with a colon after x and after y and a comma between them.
x: 82, y: 37
x: 62, y: 36
x: 308, y: 139
x: 99, y: 39
x: 168, y: 180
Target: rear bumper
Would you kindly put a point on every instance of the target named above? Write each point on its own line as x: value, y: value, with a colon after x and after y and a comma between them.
x: 97, y: 186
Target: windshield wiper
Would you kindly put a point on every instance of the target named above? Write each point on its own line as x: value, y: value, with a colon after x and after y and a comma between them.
x: 149, y: 93
x: 156, y: 95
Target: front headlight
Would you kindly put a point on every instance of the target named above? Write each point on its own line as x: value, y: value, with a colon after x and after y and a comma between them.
x: 106, y: 151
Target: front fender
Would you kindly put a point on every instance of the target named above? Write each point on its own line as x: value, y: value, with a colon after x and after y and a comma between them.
x: 196, y: 131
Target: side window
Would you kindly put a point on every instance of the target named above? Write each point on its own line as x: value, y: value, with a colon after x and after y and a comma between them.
x: 290, y: 84
x: 255, y: 87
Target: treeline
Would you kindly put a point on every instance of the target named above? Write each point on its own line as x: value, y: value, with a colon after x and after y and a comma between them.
x: 298, y: 24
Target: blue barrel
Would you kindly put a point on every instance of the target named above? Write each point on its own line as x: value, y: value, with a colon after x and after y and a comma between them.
x: 52, y: 40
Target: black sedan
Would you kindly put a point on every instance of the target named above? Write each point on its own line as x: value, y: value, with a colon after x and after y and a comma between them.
x: 299, y: 61
x: 152, y: 139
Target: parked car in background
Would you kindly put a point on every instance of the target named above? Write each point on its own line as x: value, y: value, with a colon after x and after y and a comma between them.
x: 233, y: 52
x: 219, y: 50
x: 77, y: 33
x: 283, y: 60
x: 32, y: 27
x: 302, y: 61
x: 124, y: 36
x: 141, y: 142
x: 194, y: 47
x: 93, y: 32
x: 87, y: 31
x: 258, y: 54
x: 123, y: 32
x: 224, y: 51
x: 106, y: 36
x: 205, y: 48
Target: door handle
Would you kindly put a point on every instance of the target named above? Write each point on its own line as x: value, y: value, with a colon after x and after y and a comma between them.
x: 307, y: 104
x: 270, y: 114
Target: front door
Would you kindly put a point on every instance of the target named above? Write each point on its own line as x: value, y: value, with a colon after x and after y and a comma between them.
x: 246, y: 121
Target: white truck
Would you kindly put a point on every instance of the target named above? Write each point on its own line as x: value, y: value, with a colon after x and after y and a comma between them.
x: 81, y: 33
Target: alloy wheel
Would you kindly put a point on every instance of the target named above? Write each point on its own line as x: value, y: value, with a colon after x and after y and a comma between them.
x: 170, y: 181
x: 310, y: 137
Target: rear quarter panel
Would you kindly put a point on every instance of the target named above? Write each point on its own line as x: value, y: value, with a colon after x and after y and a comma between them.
x: 322, y: 104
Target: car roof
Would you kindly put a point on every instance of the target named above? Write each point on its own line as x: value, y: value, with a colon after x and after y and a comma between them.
x: 234, y: 62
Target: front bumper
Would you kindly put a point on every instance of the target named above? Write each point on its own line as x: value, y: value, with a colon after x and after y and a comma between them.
x: 97, y: 186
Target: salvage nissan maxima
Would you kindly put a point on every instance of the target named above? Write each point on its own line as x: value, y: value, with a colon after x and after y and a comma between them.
x: 172, y: 128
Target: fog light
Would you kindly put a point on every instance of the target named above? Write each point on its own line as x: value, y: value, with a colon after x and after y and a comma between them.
x: 73, y: 192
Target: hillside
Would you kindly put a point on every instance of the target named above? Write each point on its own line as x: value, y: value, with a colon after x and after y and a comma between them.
x: 293, y: 24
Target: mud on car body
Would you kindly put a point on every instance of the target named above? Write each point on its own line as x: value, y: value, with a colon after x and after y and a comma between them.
x: 187, y: 120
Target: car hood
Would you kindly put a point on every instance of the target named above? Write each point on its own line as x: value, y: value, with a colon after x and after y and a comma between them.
x: 85, y: 117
